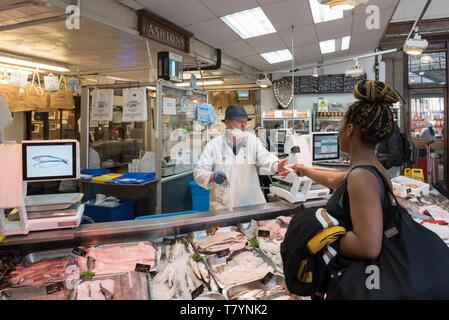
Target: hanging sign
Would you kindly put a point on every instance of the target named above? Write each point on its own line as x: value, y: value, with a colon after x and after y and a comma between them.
x: 102, y: 100
x: 169, y: 106
x: 135, y: 105
x: 323, y: 105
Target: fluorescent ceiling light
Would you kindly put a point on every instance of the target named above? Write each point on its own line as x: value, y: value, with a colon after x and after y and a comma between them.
x: 323, y: 13
x: 9, y: 69
x: 201, y: 83
x: 30, y: 64
x: 249, y: 23
x: 334, y: 45
x: 119, y: 79
x: 187, y: 76
x: 277, y: 56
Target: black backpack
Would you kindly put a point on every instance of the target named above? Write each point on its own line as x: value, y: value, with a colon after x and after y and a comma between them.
x: 409, y: 150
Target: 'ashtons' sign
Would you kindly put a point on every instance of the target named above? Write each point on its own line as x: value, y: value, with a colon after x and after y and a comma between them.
x: 157, y: 28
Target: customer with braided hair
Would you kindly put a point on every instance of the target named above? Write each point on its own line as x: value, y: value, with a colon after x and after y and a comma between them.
x: 359, y: 195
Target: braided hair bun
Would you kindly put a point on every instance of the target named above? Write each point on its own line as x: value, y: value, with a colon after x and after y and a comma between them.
x: 371, y: 113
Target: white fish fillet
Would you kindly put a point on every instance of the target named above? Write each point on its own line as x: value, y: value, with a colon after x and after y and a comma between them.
x: 204, y: 272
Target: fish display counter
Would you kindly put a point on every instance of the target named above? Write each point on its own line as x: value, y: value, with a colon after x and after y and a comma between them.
x: 196, y: 256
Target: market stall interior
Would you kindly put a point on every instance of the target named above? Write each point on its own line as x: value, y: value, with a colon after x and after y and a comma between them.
x: 104, y: 115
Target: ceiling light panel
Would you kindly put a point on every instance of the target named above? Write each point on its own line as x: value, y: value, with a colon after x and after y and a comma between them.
x: 277, y: 56
x: 333, y: 45
x: 249, y: 23
x: 322, y: 13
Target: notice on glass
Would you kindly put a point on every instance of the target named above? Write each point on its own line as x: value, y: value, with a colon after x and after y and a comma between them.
x: 169, y: 106
x: 102, y: 101
x: 135, y: 105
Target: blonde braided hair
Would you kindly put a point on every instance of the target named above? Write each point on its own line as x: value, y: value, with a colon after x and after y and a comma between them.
x: 372, y: 112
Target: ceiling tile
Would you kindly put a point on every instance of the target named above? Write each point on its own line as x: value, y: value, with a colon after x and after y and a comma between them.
x: 286, y: 13
x: 238, y: 49
x: 266, y: 43
x: 265, y: 2
x: 186, y: 13
x: 213, y: 32
x: 308, y: 50
x: 254, y: 60
x: 222, y: 8
x: 334, y: 29
x: 302, y: 36
x: 368, y: 40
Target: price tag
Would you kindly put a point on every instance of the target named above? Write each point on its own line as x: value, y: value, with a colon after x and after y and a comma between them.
x: 198, y: 291
x: 223, y: 253
x: 212, y: 230
x: 268, y: 277
x: 79, y: 252
x: 168, y: 241
x: 145, y: 268
x: 54, y: 287
x: 263, y: 233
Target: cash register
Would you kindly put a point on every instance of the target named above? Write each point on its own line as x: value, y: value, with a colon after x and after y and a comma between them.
x: 326, y: 151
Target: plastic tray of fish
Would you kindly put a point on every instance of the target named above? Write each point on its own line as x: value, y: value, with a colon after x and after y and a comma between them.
x: 209, y: 261
x: 45, y: 255
x: 251, y: 289
x: 128, y: 286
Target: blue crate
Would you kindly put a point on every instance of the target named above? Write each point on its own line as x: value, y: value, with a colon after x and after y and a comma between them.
x: 200, y: 197
x: 124, y: 211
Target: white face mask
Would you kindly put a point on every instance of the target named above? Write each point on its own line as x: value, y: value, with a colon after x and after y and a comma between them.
x: 237, y: 133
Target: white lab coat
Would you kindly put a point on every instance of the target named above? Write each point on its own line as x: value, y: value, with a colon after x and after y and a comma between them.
x: 244, y: 188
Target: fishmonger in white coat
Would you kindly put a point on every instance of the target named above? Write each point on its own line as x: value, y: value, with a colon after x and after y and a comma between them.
x: 228, y: 164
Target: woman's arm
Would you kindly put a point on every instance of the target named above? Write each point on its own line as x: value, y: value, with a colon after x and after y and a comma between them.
x: 365, y: 240
x: 327, y: 178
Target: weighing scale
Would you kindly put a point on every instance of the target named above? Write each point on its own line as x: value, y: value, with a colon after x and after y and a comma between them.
x: 42, y: 161
x: 296, y: 189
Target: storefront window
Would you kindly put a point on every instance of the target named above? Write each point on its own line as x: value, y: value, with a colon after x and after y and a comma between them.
x: 428, y: 69
x: 427, y: 108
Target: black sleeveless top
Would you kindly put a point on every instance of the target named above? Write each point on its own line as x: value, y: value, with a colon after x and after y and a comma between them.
x: 338, y: 204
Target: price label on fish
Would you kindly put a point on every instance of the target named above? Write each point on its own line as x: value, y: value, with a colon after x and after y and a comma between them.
x: 212, y: 230
x: 198, y: 291
x: 54, y: 287
x: 145, y: 268
x: 263, y: 233
x: 221, y: 257
x: 268, y: 280
x: 79, y: 251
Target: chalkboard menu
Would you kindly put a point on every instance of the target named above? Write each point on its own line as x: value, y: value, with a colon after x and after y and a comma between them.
x: 332, y: 83
x: 350, y: 83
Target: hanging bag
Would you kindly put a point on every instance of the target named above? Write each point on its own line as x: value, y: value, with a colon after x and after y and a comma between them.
x: 35, y: 96
x: 62, y: 99
x: 413, y: 263
x: 10, y: 92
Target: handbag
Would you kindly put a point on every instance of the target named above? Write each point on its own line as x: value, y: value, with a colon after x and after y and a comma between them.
x: 35, y: 97
x: 10, y: 92
x: 62, y: 99
x: 413, y: 262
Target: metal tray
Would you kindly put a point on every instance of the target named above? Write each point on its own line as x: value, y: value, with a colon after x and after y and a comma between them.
x: 123, y: 276
x: 207, y: 261
x: 252, y: 285
x: 45, y: 255
x: 91, y: 262
x: 33, y: 293
x: 198, y: 235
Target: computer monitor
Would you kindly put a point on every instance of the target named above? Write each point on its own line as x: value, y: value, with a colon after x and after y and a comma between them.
x: 50, y: 160
x: 325, y: 146
x: 243, y: 95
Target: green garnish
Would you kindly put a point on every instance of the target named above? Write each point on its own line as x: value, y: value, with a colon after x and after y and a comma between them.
x: 254, y: 242
x: 87, y: 275
x: 196, y: 257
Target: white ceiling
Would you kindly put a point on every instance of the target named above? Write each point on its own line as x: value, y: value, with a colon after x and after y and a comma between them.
x: 409, y: 10
x: 202, y: 18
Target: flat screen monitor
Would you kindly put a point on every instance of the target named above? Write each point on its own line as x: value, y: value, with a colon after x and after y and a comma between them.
x: 325, y: 146
x: 243, y: 94
x: 50, y: 160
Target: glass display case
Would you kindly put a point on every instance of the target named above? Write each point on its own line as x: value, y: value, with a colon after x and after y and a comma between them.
x: 427, y: 106
x: 282, y: 119
x: 327, y: 121
x: 182, y: 137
